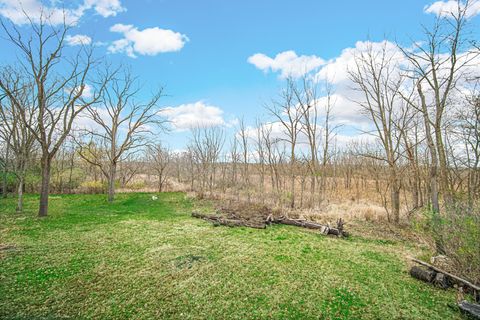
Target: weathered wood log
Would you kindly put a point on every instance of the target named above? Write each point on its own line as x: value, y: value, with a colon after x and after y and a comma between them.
x: 304, y: 224
x: 453, y: 277
x: 219, y: 220
x: 441, y: 281
x: 472, y: 309
x: 309, y: 225
x: 423, y: 274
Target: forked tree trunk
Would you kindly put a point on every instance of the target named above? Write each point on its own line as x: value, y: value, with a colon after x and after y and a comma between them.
x: 45, y: 186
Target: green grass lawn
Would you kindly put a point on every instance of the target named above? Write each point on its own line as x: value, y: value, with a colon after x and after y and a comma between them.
x: 144, y: 259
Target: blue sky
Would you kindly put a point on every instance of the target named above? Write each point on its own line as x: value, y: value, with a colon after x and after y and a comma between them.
x: 218, y: 37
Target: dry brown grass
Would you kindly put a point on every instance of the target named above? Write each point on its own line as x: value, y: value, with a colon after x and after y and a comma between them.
x: 358, y: 202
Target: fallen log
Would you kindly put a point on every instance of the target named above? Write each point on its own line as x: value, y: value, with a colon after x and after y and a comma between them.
x: 324, y: 229
x: 233, y: 221
x: 423, y: 274
x: 441, y: 281
x: 472, y: 309
x: 473, y: 287
x: 304, y: 224
x: 219, y: 220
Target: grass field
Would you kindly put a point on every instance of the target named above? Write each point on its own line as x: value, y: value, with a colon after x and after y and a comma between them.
x: 143, y: 259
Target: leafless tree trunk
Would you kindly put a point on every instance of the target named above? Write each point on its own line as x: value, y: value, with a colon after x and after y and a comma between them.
x: 159, y: 158
x: 289, y: 116
x: 206, y: 145
x: 376, y: 76
x: 123, y: 124
x: 243, y: 136
x: 14, y: 130
x: 5, y: 169
x: 438, y: 64
x: 57, y: 95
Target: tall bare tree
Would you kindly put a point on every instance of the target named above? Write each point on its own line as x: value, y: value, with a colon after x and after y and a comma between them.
x: 122, y: 126
x: 376, y: 75
x: 243, y: 138
x: 286, y: 112
x: 438, y: 63
x: 14, y: 130
x: 58, y: 84
x: 205, y: 146
x: 159, y: 158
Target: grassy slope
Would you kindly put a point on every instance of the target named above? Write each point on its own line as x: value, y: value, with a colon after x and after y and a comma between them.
x: 140, y: 258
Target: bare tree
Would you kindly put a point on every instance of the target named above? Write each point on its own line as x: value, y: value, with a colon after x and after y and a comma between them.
x: 4, y: 161
x: 438, y: 63
x: 319, y: 134
x: 467, y: 133
x: 122, y: 125
x: 306, y: 97
x: 289, y: 116
x: 261, y: 154
x: 14, y: 130
x: 243, y: 142
x: 376, y: 75
x: 159, y: 158
x: 58, y: 86
x: 205, y: 146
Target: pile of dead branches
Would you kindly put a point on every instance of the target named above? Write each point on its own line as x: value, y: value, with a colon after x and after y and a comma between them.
x: 255, y: 216
x: 443, y: 279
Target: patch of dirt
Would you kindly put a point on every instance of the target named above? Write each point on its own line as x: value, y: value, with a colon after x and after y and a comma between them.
x: 187, y: 261
x: 6, y: 248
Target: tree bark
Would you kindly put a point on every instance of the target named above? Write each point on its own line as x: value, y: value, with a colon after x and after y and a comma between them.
x: 444, y: 174
x: 21, y: 184
x: 395, y: 196
x: 433, y: 153
x: 5, y: 171
x: 111, y: 181
x: 45, y: 186
x: 160, y: 182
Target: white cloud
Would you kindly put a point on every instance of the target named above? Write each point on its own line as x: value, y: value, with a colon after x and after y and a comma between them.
x: 336, y: 70
x: 19, y: 11
x: 452, y: 7
x: 85, y: 122
x: 87, y: 92
x: 288, y: 63
x: 278, y: 135
x: 149, y: 41
x: 191, y: 115
x: 78, y: 39
x: 105, y: 8
x: 346, y: 110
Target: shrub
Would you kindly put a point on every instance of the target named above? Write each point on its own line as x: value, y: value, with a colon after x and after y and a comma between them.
x: 457, y: 232
x: 11, y: 181
x: 137, y: 185
x: 93, y: 186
